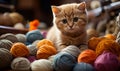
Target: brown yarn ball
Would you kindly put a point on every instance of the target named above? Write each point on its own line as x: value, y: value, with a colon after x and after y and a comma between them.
x: 108, y: 45
x: 5, y: 44
x: 45, y: 51
x: 44, y: 42
x: 19, y: 49
x: 16, y: 17
x: 9, y: 36
x: 87, y: 56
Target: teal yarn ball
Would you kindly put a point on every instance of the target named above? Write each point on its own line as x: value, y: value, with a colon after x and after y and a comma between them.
x: 20, y: 63
x: 83, y: 67
x: 9, y: 36
x: 21, y: 38
x: 64, y: 62
x: 73, y: 50
x: 32, y: 49
x: 4, y: 43
x: 31, y: 36
x: 5, y: 58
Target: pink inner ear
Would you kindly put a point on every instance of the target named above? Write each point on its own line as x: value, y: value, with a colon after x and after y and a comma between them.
x: 55, y: 9
x: 82, y: 6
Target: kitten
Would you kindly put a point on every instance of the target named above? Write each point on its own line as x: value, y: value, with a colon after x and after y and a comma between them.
x: 69, y: 27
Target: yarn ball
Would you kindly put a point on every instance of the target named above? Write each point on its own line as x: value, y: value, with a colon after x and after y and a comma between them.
x: 9, y: 36
x: 5, y: 58
x: 44, y: 33
x: 19, y: 49
x: 110, y: 36
x: 83, y: 67
x: 64, y: 62
x: 33, y: 25
x: 32, y: 49
x: 73, y: 50
x: 92, y: 33
x: 31, y: 36
x: 16, y: 17
x: 93, y: 42
x: 45, y: 42
x: 45, y: 51
x: 118, y: 35
x: 19, y: 26
x: 31, y: 58
x: 21, y: 38
x: 20, y: 63
x: 87, y: 56
x: 41, y: 65
x: 108, y: 45
x: 51, y: 58
x: 35, y: 42
x: 107, y: 61
x: 5, y: 44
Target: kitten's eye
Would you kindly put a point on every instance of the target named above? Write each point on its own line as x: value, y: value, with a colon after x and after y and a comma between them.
x: 64, y: 21
x: 75, y: 19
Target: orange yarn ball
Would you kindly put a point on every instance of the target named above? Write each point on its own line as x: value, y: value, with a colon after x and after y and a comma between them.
x: 87, y: 56
x: 92, y: 43
x: 108, y: 45
x: 19, y: 49
x: 44, y: 42
x: 110, y: 36
x: 45, y: 51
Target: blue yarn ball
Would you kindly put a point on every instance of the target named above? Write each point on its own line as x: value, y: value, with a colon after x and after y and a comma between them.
x: 31, y: 36
x: 83, y: 67
x: 64, y: 62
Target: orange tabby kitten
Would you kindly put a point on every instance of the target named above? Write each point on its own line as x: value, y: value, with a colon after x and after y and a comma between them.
x: 69, y: 25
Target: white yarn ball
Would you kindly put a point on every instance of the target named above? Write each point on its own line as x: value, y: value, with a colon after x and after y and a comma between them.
x: 41, y: 65
x: 73, y: 50
x: 20, y: 63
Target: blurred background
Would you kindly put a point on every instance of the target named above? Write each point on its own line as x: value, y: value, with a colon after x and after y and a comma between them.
x: 14, y: 13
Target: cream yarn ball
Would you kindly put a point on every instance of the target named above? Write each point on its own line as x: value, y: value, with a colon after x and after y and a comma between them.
x: 41, y: 65
x: 20, y: 64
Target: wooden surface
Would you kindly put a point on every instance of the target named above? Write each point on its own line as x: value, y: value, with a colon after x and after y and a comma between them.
x: 4, y: 29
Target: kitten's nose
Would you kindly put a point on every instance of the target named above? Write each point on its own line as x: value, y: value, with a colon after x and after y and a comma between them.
x: 70, y: 25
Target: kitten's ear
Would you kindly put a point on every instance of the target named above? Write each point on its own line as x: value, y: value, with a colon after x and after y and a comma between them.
x: 55, y: 9
x: 82, y: 6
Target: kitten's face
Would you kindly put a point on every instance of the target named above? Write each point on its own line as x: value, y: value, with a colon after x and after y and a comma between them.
x: 70, y: 18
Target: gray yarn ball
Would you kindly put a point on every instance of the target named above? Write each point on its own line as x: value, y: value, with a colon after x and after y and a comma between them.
x: 35, y: 42
x: 32, y: 49
x: 73, y: 50
x: 5, y: 58
x: 41, y: 65
x: 4, y: 43
x: 118, y: 40
x: 21, y: 38
x: 20, y: 63
x: 9, y: 36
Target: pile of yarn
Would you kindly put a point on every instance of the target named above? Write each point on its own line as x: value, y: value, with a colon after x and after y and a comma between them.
x: 45, y: 49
